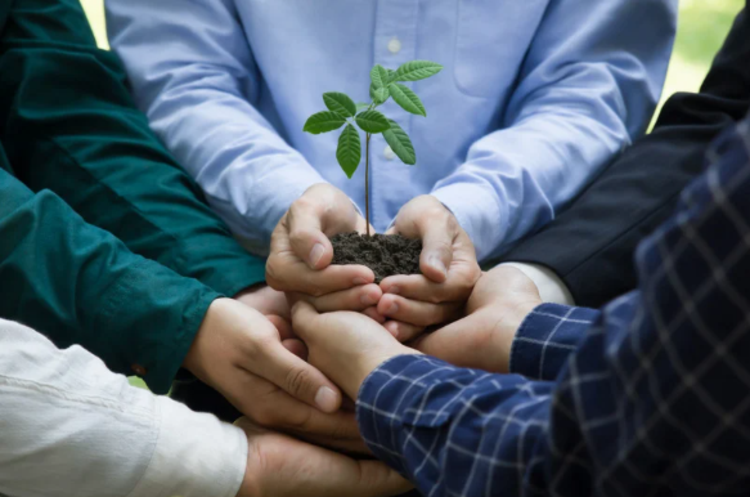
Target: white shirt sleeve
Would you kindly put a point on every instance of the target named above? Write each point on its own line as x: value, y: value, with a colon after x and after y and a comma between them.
x: 71, y: 428
x: 551, y: 287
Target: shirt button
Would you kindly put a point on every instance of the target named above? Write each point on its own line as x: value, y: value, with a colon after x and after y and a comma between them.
x: 138, y: 369
x: 394, y: 46
x: 389, y: 153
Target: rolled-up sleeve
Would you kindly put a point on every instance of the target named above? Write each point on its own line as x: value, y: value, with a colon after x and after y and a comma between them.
x: 588, y: 87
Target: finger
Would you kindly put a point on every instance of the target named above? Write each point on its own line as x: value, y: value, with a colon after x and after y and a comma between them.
x: 285, y: 273
x: 417, y: 313
x: 355, y: 299
x: 296, y: 347
x: 310, y: 219
x: 344, y: 477
x: 372, y: 313
x: 298, y: 378
x: 416, y: 287
x: 403, y: 332
x: 282, y: 325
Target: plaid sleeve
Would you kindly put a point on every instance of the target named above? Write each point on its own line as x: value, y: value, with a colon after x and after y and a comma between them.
x: 653, y: 401
x: 547, y: 337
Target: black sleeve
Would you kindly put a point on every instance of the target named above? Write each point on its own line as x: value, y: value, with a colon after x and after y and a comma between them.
x: 591, y: 244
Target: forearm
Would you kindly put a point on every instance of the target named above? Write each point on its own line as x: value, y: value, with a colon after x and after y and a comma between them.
x: 452, y: 430
x: 637, y: 192
x: 72, y: 428
x: 198, y: 95
x: 575, y: 106
x: 102, y: 158
x: 80, y: 285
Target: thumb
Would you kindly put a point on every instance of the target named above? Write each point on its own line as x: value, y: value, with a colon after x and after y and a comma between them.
x: 303, y: 316
x: 437, y: 251
x: 305, y: 227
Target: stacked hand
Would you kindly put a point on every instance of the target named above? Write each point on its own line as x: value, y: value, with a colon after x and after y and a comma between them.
x: 255, y: 363
x: 301, y: 255
x: 500, y: 301
x: 282, y: 466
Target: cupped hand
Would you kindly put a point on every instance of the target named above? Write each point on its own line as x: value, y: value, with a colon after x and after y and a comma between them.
x: 449, y: 270
x: 501, y: 300
x: 280, y: 466
x: 265, y: 300
x: 301, y: 253
x: 255, y: 363
x: 346, y: 346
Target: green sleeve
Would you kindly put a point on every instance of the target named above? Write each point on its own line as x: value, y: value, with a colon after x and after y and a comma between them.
x: 69, y: 125
x: 80, y: 285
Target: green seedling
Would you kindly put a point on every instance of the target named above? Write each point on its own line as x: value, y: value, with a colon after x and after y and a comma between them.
x: 385, y: 83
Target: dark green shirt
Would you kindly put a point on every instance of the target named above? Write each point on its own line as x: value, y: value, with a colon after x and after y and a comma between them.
x: 104, y: 240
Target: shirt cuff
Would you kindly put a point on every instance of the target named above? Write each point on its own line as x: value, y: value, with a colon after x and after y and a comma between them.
x: 196, y: 455
x: 478, y: 211
x: 551, y: 288
x: 546, y: 338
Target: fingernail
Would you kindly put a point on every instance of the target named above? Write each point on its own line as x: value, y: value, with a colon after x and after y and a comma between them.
x: 436, y: 263
x: 368, y: 299
x: 393, y: 309
x: 359, y: 281
x: 316, y: 254
x: 393, y: 329
x: 326, y: 399
x: 394, y: 290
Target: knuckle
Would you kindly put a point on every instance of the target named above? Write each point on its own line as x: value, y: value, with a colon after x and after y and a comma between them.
x: 297, y: 381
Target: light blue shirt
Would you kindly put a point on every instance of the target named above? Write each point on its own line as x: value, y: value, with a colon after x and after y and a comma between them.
x: 536, y: 96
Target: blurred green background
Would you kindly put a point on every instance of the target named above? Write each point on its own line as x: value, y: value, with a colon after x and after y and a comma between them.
x: 703, y: 24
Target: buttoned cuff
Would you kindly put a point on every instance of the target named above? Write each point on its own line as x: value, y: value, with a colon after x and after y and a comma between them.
x: 152, y: 316
x: 551, y: 288
x: 196, y: 455
x: 477, y: 210
x: 547, y: 337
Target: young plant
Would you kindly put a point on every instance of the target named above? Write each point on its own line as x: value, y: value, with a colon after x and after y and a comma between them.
x: 385, y: 83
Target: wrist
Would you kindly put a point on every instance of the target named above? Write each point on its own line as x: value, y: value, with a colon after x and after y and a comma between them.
x: 369, y: 362
x: 194, y: 359
x: 504, y: 332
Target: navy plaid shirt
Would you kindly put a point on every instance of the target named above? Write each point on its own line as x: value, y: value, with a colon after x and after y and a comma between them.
x: 648, y: 397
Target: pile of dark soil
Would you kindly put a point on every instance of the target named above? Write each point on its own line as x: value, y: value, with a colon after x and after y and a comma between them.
x: 386, y: 255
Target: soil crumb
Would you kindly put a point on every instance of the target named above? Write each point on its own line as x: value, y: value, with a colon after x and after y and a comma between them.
x: 386, y: 255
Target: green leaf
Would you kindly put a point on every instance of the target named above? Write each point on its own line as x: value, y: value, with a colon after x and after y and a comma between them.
x: 391, y: 76
x: 349, y: 151
x: 362, y: 106
x: 379, y: 77
x: 372, y: 121
x: 379, y: 95
x: 322, y: 122
x: 340, y: 103
x: 416, y: 70
x: 400, y: 143
x: 407, y: 99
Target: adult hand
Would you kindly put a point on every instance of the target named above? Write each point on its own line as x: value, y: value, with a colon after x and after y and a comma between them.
x: 501, y: 300
x: 347, y: 346
x: 449, y: 270
x: 265, y: 300
x: 255, y: 364
x: 301, y: 253
x: 280, y: 466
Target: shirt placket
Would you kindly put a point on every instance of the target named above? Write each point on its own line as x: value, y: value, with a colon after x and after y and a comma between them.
x: 395, y: 44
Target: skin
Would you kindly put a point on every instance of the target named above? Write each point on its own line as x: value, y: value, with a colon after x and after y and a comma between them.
x: 301, y: 254
x: 499, y: 303
x: 281, y: 466
x: 348, y: 346
x: 256, y: 363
